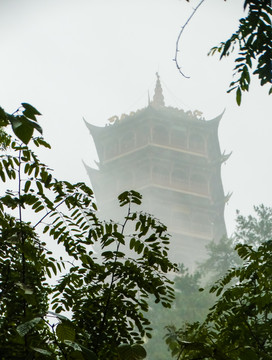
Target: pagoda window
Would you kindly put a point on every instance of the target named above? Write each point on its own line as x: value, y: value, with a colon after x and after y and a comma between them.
x: 181, y: 221
x: 160, y: 175
x: 107, y: 188
x: 142, y: 175
x: 202, y: 223
x: 125, y: 180
x: 160, y: 135
x: 179, y: 179
x: 179, y: 139
x: 197, y: 143
x: 199, y: 184
x: 111, y: 150
x: 127, y: 142
x: 142, y: 137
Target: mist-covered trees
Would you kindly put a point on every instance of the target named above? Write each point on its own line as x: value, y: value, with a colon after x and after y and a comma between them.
x: 238, y: 325
x: 71, y: 306
x: 189, y: 305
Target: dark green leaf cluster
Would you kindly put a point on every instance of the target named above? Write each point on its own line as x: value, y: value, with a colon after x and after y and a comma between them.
x: 254, y: 41
x: 23, y: 121
x: 106, y: 298
x: 23, y: 287
x: 119, y: 285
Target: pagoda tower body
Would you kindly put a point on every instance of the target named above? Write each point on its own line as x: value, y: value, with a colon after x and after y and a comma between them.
x: 173, y: 159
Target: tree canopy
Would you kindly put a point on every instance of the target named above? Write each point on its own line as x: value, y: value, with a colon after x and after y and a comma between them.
x: 73, y: 306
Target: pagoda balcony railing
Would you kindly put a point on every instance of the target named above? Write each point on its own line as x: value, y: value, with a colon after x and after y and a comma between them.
x: 194, y: 149
x: 191, y: 187
x: 205, y: 230
x: 201, y: 189
x: 202, y: 228
x: 154, y: 179
x: 124, y: 150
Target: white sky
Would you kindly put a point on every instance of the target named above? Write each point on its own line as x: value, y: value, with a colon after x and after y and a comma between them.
x: 98, y: 58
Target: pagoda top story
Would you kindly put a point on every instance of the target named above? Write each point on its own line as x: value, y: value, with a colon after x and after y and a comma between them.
x: 126, y: 132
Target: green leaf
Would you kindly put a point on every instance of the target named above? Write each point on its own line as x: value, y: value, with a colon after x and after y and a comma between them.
x: 34, y: 125
x: 3, y: 117
x: 65, y: 331
x: 27, y: 186
x: 238, y: 96
x: 132, y: 243
x: 22, y: 130
x: 30, y: 111
x: 73, y: 344
x: 2, y: 175
x: 23, y: 329
x: 88, y: 354
x: 40, y: 187
x: 131, y: 352
x: 42, y: 351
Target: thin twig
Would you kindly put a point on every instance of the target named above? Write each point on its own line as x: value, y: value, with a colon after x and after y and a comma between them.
x: 16, y: 111
x: 48, y: 213
x: 56, y: 340
x: 178, y: 40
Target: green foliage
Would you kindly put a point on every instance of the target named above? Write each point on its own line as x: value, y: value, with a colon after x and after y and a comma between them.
x: 133, y: 352
x: 254, y: 230
x: 189, y: 305
x: 221, y: 257
x: 254, y: 41
x: 120, y: 285
x: 238, y: 325
x: 23, y: 121
x: 23, y: 285
x: 107, y: 300
x: 251, y: 230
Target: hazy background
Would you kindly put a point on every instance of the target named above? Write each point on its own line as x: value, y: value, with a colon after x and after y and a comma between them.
x: 98, y: 58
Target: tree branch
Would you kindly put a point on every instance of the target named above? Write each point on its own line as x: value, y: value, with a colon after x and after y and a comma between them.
x: 48, y: 213
x: 178, y: 40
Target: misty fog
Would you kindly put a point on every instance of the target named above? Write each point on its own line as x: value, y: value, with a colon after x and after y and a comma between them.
x: 97, y: 59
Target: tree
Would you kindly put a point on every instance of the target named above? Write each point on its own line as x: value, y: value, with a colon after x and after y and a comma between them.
x: 106, y: 301
x: 238, y: 325
x: 189, y: 305
x: 254, y: 42
x: 221, y: 256
x: 249, y: 230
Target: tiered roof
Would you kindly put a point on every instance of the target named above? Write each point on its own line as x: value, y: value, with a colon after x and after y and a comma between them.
x: 173, y: 157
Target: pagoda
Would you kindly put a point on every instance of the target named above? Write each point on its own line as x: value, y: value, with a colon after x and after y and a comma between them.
x: 173, y: 159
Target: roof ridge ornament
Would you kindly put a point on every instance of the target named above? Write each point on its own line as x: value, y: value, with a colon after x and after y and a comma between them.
x: 158, y: 98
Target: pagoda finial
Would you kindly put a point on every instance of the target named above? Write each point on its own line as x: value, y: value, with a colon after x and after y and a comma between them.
x: 158, y: 99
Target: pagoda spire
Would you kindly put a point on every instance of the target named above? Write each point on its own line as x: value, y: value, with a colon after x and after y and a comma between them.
x: 158, y: 99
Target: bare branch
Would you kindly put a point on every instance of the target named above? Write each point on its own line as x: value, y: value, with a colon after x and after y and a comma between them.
x: 178, y: 40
